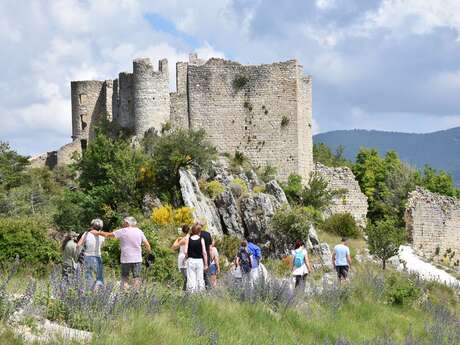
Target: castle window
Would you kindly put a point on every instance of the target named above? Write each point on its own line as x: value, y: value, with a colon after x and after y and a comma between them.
x: 83, y: 143
x: 82, y: 98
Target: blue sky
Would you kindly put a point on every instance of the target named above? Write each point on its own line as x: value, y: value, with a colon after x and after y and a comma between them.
x: 377, y: 64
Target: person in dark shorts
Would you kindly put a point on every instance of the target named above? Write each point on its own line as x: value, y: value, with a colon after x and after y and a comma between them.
x: 341, y: 259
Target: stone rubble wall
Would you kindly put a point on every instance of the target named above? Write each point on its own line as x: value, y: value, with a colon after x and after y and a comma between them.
x: 354, y: 201
x: 433, y: 225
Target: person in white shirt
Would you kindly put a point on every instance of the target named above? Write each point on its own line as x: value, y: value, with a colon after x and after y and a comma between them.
x: 181, y: 244
x: 301, y: 264
x: 341, y: 259
x: 91, y: 244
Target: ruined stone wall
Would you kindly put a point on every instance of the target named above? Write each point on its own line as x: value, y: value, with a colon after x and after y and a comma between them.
x: 151, y: 95
x: 125, y: 103
x: 115, y: 100
x: 88, y: 105
x: 433, y: 224
x: 262, y: 111
x: 179, y: 101
x: 353, y: 201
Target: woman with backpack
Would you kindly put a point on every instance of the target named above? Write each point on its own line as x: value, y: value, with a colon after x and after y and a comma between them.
x: 244, y: 262
x: 301, y: 263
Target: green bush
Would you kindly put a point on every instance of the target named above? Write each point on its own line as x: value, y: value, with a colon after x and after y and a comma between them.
x: 289, y: 225
x: 28, y: 239
x: 212, y: 188
x: 400, y: 290
x: 240, y: 183
x: 228, y: 246
x: 341, y: 224
x: 384, y: 238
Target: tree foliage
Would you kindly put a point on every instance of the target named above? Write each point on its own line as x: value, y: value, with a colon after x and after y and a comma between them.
x: 341, y: 224
x: 323, y: 154
x: 315, y: 194
x: 387, y: 181
x: 384, y: 238
x: 175, y: 150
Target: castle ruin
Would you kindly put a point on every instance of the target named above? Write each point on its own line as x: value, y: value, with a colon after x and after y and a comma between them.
x: 432, y: 223
x: 262, y: 111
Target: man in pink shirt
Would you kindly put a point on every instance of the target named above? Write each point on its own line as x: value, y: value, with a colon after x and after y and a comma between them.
x: 131, y: 240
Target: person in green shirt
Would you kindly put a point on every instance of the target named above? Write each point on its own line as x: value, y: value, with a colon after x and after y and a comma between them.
x: 70, y: 253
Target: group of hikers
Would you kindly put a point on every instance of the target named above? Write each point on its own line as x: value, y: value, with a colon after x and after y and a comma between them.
x: 198, y: 258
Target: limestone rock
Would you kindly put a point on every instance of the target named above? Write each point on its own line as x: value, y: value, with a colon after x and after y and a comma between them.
x: 220, y: 171
x: 324, y: 253
x: 149, y: 202
x: 313, y: 239
x: 353, y: 202
x: 203, y: 208
x: 273, y: 188
x: 257, y: 211
x: 229, y: 214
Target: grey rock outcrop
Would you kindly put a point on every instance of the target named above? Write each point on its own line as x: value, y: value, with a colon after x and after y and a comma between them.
x: 324, y: 253
x: 228, y: 210
x: 203, y: 208
x: 273, y: 188
x: 257, y: 211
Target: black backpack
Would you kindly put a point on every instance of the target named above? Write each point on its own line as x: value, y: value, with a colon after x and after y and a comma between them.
x: 245, y: 260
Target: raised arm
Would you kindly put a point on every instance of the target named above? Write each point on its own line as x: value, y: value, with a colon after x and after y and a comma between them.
x: 82, y: 240
x: 103, y: 234
x: 179, y: 242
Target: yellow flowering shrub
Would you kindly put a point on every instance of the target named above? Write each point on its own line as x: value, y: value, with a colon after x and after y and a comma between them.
x: 165, y: 215
x: 183, y: 215
x: 162, y: 215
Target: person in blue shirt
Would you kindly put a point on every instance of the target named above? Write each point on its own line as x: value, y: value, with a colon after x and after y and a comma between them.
x: 256, y: 256
x: 341, y: 259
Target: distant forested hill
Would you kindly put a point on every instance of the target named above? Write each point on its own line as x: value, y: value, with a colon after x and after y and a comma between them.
x: 439, y: 149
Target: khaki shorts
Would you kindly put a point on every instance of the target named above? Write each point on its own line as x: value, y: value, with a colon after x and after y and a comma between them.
x: 134, y: 267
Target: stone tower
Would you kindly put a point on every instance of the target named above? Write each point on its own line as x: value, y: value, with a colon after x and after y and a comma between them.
x: 151, y: 95
x: 91, y: 101
x: 262, y: 111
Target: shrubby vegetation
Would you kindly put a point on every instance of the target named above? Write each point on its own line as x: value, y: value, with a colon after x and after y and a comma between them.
x: 342, y: 225
x: 314, y: 194
x: 26, y: 238
x: 384, y: 238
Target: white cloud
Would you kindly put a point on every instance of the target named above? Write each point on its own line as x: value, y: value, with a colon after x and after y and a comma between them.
x: 77, y: 41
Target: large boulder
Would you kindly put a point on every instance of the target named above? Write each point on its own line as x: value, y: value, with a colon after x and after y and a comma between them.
x: 227, y: 207
x: 257, y: 211
x: 203, y: 208
x: 273, y: 188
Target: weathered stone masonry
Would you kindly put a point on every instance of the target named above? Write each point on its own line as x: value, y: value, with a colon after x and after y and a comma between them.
x: 353, y: 201
x: 263, y: 111
x: 433, y: 224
